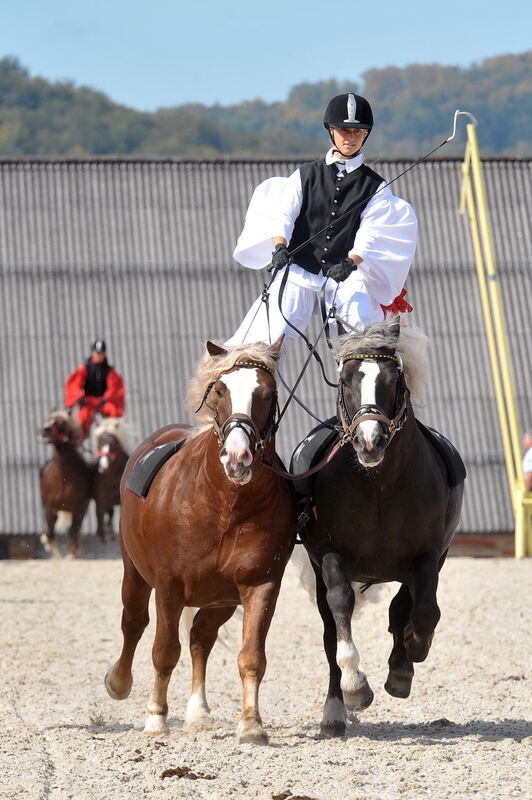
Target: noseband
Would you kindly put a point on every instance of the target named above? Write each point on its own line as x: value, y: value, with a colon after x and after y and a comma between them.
x: 257, y: 439
x: 373, y: 412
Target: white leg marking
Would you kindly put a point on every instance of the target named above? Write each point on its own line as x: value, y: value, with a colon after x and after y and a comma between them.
x: 198, y: 712
x: 348, y: 660
x: 155, y: 724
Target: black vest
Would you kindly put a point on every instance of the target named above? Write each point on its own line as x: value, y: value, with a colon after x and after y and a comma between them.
x: 96, y: 380
x: 327, y: 195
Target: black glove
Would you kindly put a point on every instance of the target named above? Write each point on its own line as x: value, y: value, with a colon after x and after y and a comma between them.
x: 280, y: 256
x: 339, y: 272
x: 80, y: 402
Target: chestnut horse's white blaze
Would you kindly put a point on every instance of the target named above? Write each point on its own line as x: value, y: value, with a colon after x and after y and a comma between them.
x: 237, y: 448
x: 369, y: 428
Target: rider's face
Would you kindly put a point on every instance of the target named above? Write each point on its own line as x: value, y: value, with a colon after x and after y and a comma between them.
x: 97, y: 357
x: 348, y: 140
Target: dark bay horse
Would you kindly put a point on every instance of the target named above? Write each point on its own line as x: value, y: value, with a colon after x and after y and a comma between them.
x: 112, y: 452
x: 215, y: 530
x: 383, y: 510
x: 65, y: 480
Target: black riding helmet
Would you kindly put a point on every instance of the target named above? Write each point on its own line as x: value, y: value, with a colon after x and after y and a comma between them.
x: 348, y: 111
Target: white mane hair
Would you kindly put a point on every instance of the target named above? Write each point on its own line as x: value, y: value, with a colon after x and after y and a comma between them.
x: 412, y: 346
x: 118, y: 427
x: 211, y: 367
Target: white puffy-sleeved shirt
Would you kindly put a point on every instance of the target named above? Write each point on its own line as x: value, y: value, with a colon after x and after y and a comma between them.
x: 385, y: 240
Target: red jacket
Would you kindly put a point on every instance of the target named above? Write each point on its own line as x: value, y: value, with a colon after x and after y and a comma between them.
x: 114, y: 391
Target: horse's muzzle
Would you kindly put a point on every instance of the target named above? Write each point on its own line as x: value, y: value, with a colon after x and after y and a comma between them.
x: 370, y: 446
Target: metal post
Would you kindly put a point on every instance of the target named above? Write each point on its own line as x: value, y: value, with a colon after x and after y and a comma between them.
x: 473, y: 199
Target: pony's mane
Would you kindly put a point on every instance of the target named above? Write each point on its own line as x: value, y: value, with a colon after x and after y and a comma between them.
x: 211, y: 367
x: 76, y: 432
x: 412, y: 346
x: 118, y: 427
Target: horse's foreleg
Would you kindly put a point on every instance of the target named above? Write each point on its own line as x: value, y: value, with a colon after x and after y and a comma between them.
x: 73, y: 534
x: 203, y: 635
x: 100, y: 523
x: 259, y: 605
x: 165, y: 655
x: 401, y: 669
x: 340, y: 598
x: 135, y: 598
x: 334, y: 711
x: 425, y: 613
x: 48, y: 537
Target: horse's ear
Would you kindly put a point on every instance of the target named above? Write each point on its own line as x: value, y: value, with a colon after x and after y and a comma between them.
x: 275, y: 348
x: 214, y: 349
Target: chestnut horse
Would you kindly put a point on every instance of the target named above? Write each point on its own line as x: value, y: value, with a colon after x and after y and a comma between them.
x: 65, y: 481
x: 215, y: 530
x: 112, y: 453
x: 384, y: 509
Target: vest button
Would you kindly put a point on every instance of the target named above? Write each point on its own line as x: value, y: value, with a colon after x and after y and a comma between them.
x: 335, y: 201
x: 333, y: 213
x: 328, y: 237
x: 323, y: 261
x: 325, y: 249
x: 338, y: 189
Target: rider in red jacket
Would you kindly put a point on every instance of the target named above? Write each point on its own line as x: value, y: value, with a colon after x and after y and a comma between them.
x: 95, y: 386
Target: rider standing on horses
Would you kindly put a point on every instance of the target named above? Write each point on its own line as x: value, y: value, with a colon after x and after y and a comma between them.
x: 95, y: 386
x: 361, y: 261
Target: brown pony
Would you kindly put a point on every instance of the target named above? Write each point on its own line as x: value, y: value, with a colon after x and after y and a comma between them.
x: 112, y: 452
x: 65, y: 481
x: 215, y: 530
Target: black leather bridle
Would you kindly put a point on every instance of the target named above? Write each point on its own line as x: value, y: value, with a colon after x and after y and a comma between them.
x: 349, y: 423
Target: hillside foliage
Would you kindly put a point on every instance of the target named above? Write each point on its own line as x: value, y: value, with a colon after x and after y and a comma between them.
x: 413, y: 108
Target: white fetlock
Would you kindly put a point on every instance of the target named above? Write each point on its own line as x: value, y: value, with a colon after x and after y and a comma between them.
x: 155, y: 725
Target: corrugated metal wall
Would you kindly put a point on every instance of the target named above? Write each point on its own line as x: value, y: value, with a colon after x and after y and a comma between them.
x: 139, y: 252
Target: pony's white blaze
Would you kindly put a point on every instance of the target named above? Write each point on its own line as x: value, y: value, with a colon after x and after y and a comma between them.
x: 369, y: 428
x: 241, y: 384
x: 103, y: 461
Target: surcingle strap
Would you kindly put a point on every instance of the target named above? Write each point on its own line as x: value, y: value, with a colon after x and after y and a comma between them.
x: 145, y: 470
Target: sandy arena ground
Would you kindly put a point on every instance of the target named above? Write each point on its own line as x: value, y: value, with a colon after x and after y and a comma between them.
x: 462, y: 733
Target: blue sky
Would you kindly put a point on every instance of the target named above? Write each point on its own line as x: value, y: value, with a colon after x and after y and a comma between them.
x: 162, y: 53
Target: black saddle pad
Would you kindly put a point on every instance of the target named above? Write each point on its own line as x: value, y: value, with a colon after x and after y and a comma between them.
x: 308, y: 452
x: 145, y: 470
x: 456, y: 470
x: 323, y: 437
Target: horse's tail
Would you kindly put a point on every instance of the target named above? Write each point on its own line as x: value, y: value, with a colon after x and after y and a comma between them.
x: 64, y: 521
x: 301, y: 567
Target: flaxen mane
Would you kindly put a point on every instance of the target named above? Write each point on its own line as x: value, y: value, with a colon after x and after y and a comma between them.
x: 211, y: 367
x: 412, y: 346
x: 117, y: 427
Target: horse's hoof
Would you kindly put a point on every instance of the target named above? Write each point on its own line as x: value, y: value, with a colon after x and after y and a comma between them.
x: 155, y: 725
x: 417, y: 647
x: 251, y: 733
x: 198, y: 724
x: 359, y: 700
x: 398, y: 685
x: 332, y: 730
x: 113, y: 691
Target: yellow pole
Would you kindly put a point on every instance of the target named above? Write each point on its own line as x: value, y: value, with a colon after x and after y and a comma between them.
x: 495, y: 299
x: 467, y: 203
x: 473, y: 190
